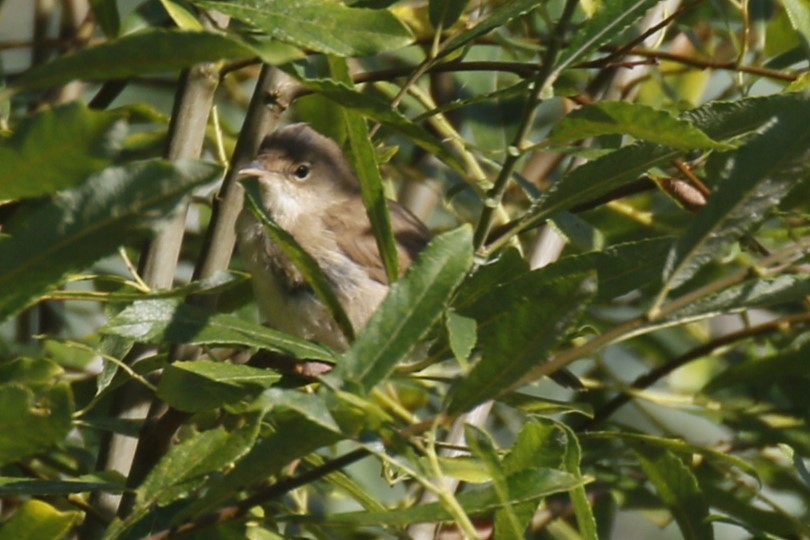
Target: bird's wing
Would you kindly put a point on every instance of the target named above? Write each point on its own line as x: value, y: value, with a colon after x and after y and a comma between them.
x: 353, y: 235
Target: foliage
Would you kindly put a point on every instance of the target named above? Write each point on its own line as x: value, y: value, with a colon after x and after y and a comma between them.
x: 664, y: 147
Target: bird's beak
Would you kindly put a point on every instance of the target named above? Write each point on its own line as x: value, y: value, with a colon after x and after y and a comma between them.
x: 254, y: 168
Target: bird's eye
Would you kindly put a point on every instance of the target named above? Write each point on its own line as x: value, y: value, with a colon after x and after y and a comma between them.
x: 301, y: 172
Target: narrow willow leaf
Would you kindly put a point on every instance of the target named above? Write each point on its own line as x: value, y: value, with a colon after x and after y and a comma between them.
x: 620, y: 268
x: 681, y: 447
x: 161, y: 321
x: 529, y: 485
x: 16, y: 487
x: 483, y: 447
x: 107, y: 17
x: 445, y: 13
x: 636, y: 120
x: 409, y: 310
x: 81, y: 225
x: 35, y: 520
x: 461, y: 334
x: 545, y: 406
x: 610, y: 20
x: 203, y: 385
x: 799, y: 14
x: 754, y: 293
x: 751, y: 187
x: 380, y: 110
x: 57, y: 149
x: 579, y: 497
x: 719, y: 120
x: 36, y: 423
x: 320, y: 25
x: 791, y: 367
x: 518, y: 324
x: 303, y: 261
x: 310, y: 406
x: 538, y: 444
x: 293, y: 438
x: 182, y: 15
x: 678, y: 489
x: 187, y: 465
x: 498, y: 17
x: 148, y: 51
x: 365, y: 165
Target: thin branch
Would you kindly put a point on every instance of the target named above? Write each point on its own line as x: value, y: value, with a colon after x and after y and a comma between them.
x: 650, y: 378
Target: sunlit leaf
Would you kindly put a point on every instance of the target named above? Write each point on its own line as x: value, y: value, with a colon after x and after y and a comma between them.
x: 160, y: 321
x: 320, y: 25
x: 35, y: 520
x: 57, y: 149
x: 80, y: 225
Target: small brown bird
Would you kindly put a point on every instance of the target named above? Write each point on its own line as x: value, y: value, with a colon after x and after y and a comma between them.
x: 309, y: 189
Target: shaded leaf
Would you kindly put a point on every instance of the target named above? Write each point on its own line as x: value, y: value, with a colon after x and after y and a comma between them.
x: 57, y: 149
x: 161, y: 321
x: 518, y: 324
x: 409, y: 310
x: 187, y: 465
x: 678, y: 489
x: 498, y: 17
x: 444, y: 13
x: 29, y: 423
x: 610, y: 20
x: 203, y: 385
x: 149, y: 51
x: 751, y: 187
x: 320, y: 25
x: 36, y: 520
x: 80, y: 225
x: 792, y: 366
x: 461, y: 334
x: 364, y: 162
x: 529, y: 485
x: 639, y: 121
x: 579, y: 497
x: 107, y: 16
x: 15, y: 487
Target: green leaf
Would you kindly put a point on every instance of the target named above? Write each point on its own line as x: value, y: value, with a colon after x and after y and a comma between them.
x: 82, y: 224
x: 29, y: 423
x: 609, y: 21
x: 161, y: 321
x: 498, y: 17
x: 187, y: 465
x: 182, y: 14
x: 799, y: 14
x: 380, y: 110
x: 57, y: 149
x: 750, y: 188
x: 719, y: 120
x: 204, y: 385
x: 303, y: 261
x: 37, y: 520
x: 579, y: 497
x: 753, y: 293
x: 29, y: 371
x: 639, y: 121
x: 790, y: 366
x: 320, y: 25
x: 544, y: 406
x: 444, y: 13
x: 310, y: 406
x: 107, y: 17
x: 461, y: 334
x: 620, y: 268
x: 528, y: 485
x: 409, y: 310
x: 483, y: 447
x: 364, y: 161
x: 149, y: 51
x: 15, y: 487
x: 678, y: 489
x: 518, y: 324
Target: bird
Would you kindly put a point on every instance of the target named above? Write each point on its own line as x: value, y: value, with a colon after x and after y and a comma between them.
x: 309, y: 189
